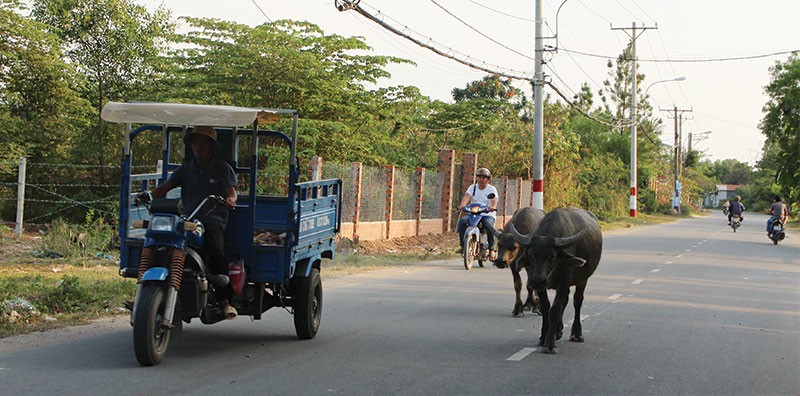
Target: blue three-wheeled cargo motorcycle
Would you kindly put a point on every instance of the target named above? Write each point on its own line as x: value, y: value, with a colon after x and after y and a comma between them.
x: 279, y: 231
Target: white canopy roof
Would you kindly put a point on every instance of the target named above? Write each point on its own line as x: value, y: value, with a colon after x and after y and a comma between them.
x: 187, y: 114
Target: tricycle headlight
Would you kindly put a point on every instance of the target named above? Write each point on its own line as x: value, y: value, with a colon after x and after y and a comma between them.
x: 161, y: 223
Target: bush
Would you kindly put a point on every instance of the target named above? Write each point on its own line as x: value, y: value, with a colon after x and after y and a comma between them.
x: 80, y: 240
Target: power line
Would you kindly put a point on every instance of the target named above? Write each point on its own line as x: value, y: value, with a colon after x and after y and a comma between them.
x: 726, y: 59
x: 262, y: 11
x: 430, y: 44
x: 481, y: 33
x: 501, y: 12
x: 345, y: 5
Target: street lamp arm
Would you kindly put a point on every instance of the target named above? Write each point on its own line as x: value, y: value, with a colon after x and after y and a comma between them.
x: 681, y: 78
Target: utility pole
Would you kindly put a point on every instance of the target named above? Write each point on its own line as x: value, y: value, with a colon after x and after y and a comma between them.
x: 676, y: 198
x: 634, y: 119
x: 538, y: 111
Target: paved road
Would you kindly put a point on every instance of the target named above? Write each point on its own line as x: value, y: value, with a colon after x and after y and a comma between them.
x: 674, y: 309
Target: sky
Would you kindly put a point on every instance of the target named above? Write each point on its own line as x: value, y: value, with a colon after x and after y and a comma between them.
x: 723, y: 97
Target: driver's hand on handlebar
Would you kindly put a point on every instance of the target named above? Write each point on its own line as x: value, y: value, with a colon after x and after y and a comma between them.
x: 143, y: 198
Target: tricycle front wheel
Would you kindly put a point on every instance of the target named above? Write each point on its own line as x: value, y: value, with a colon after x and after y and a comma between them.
x: 150, y: 339
x: 308, y: 305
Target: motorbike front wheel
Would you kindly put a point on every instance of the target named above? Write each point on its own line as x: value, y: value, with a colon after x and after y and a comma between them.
x: 470, y: 250
x: 150, y: 340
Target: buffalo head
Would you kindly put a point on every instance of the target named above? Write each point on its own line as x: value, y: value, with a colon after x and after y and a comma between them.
x: 545, y: 253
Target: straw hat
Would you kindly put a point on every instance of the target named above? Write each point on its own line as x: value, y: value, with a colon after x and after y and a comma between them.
x: 202, y: 130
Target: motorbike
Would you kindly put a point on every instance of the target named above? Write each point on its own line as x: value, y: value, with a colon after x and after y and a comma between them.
x: 777, y: 232
x: 476, y: 244
x: 736, y: 222
x: 174, y: 282
x: 725, y: 210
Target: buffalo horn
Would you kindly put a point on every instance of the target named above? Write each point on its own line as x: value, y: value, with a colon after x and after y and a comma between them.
x: 523, y: 240
x: 567, y: 241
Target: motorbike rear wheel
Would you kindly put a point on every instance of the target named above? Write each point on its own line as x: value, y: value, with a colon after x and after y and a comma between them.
x: 150, y: 340
x: 470, y: 250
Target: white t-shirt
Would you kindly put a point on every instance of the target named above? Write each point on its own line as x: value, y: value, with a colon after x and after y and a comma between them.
x: 481, y: 196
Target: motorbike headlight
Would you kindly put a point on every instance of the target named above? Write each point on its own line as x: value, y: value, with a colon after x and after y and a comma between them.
x: 475, y: 209
x: 161, y: 223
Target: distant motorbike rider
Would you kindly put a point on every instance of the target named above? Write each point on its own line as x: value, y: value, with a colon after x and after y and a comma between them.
x: 778, y: 211
x: 480, y: 192
x: 726, y: 208
x: 736, y: 209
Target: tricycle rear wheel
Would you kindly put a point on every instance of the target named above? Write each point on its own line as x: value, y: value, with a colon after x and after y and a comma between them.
x: 308, y: 305
x: 150, y: 340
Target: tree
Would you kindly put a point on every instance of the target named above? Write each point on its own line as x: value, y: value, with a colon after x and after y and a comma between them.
x: 114, y: 45
x: 728, y: 171
x: 781, y: 126
x: 38, y: 105
x: 290, y: 64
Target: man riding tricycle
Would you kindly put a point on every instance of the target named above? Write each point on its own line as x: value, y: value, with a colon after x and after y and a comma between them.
x: 228, y: 229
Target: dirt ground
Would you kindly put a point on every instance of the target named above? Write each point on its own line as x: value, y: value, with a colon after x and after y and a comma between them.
x: 433, y: 244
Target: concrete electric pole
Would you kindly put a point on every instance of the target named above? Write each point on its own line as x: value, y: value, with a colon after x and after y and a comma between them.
x: 634, y: 119
x: 538, y: 111
x: 676, y: 198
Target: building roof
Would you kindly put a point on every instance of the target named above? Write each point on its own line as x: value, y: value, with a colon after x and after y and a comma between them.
x: 728, y: 187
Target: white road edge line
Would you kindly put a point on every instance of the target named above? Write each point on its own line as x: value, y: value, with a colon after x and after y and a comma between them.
x: 522, y: 354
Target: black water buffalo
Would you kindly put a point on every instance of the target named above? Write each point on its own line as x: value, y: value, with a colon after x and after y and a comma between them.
x: 509, y: 251
x: 563, y: 251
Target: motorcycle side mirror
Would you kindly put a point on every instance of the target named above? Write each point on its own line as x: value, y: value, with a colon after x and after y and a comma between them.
x: 491, y: 196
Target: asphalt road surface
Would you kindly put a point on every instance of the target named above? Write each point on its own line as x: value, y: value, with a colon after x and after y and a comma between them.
x: 686, y: 308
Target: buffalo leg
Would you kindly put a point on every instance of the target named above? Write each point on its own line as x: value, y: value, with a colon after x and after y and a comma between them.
x: 532, y: 302
x: 518, y: 307
x: 577, y: 330
x: 555, y: 319
x: 544, y: 306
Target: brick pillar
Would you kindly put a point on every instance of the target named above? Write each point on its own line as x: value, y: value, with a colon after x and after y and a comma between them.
x: 446, y: 168
x: 315, y: 168
x: 389, y: 172
x: 419, y: 177
x: 355, y: 176
x: 469, y: 165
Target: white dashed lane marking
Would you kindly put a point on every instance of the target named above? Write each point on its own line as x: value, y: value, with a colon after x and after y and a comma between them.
x: 656, y: 270
x: 522, y: 354
x: 638, y: 281
x: 614, y: 296
x: 668, y: 262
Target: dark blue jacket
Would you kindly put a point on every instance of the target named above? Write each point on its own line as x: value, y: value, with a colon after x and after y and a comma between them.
x: 736, y: 208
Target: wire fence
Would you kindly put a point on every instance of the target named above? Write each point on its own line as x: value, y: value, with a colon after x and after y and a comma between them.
x: 415, y: 193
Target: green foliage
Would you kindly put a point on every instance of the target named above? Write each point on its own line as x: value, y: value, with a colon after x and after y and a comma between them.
x: 30, y: 301
x: 728, y: 171
x: 781, y: 125
x: 85, y: 240
x: 601, y: 180
x: 113, y: 44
